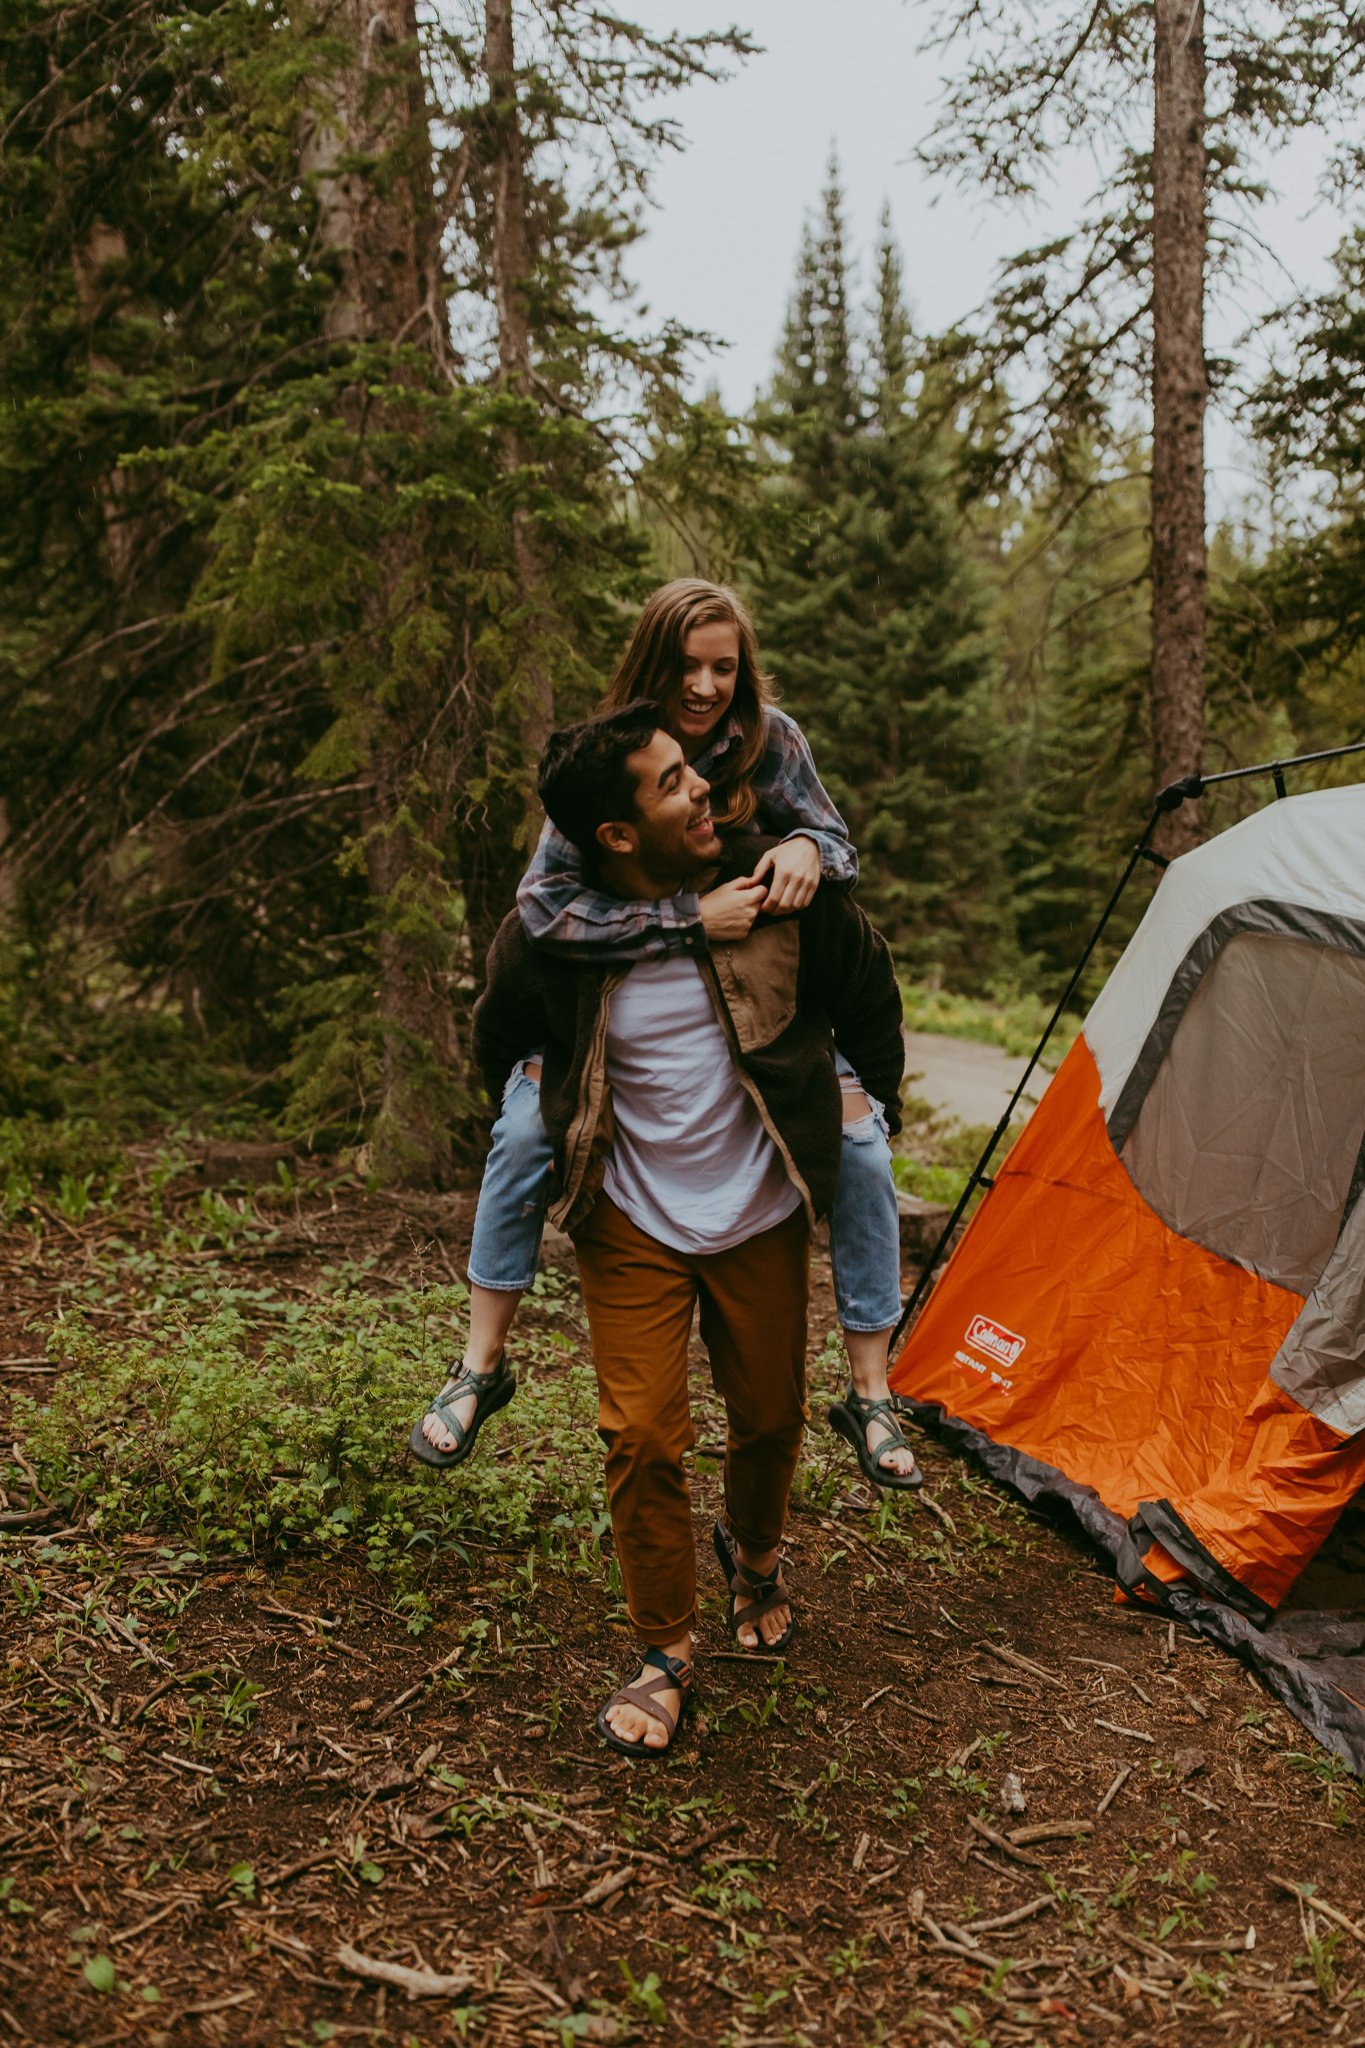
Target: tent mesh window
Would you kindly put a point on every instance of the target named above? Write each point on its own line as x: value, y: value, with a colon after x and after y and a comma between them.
x: 1243, y: 1124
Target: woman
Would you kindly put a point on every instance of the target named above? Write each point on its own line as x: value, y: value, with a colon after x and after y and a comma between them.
x: 693, y: 650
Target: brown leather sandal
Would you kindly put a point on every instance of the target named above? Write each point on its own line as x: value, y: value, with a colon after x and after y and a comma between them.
x: 751, y: 1595
x: 670, y: 1673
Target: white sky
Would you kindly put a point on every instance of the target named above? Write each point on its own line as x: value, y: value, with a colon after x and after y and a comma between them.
x: 723, y: 236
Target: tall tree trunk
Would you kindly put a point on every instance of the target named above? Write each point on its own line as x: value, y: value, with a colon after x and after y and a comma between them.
x: 498, y: 842
x: 96, y: 255
x: 381, y: 236
x: 511, y: 254
x: 1179, y: 393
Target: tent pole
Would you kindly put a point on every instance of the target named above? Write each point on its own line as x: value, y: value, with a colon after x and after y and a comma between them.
x: 1167, y: 801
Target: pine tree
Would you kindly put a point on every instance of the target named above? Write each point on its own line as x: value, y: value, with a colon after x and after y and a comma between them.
x: 873, y: 617
x: 1118, y: 305
x: 275, y: 667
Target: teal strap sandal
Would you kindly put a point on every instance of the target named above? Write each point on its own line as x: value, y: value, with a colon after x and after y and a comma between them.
x: 670, y: 1674
x: 491, y: 1391
x: 751, y: 1595
x: 850, y: 1418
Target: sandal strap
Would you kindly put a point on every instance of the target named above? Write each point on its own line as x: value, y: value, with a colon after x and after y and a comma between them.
x: 677, y: 1668
x: 670, y: 1674
x: 443, y: 1410
x: 883, y: 1412
x: 465, y: 1383
x: 868, y: 1409
x: 765, y: 1593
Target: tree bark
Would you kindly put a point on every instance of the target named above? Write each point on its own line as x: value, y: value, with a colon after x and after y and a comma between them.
x: 511, y: 261
x: 380, y: 235
x: 96, y: 256
x: 1179, y: 394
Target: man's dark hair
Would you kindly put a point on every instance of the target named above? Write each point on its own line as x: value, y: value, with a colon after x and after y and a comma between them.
x: 584, y: 781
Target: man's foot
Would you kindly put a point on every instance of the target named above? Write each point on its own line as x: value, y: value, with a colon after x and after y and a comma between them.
x: 771, y: 1627
x: 433, y: 1429
x: 760, y: 1616
x: 663, y: 1681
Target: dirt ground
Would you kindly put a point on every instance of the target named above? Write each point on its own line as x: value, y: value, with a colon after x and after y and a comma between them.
x: 977, y: 1802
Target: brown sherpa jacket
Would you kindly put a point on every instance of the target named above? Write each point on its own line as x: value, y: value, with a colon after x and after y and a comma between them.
x: 785, y: 996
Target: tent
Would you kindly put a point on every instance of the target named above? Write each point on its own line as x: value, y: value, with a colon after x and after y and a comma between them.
x: 1157, y: 1314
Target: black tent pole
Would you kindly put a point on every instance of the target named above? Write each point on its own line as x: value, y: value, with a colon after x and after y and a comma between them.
x: 1167, y: 801
x: 1170, y: 799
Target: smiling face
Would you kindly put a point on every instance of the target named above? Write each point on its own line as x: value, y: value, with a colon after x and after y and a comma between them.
x: 671, y: 837
x: 710, y: 670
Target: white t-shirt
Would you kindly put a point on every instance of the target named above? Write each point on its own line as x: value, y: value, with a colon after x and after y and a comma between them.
x: 691, y: 1163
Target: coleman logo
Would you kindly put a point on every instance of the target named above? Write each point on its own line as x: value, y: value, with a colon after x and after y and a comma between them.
x: 998, y: 1343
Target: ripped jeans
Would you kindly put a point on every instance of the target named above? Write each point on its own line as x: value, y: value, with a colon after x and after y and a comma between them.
x: 864, y: 1226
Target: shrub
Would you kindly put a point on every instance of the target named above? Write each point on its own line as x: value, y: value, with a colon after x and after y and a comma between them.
x: 230, y: 1438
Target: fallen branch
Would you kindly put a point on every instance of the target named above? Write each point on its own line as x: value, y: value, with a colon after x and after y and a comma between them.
x: 1051, y: 1831
x: 431, y: 1672
x: 1027, y: 1664
x: 177, y: 1678
x: 1113, y: 1728
x: 605, y: 1887
x: 1003, y: 1844
x: 1039, y: 1905
x: 417, y: 1983
x: 1309, y: 1897
x: 1114, y: 1790
x: 131, y: 1933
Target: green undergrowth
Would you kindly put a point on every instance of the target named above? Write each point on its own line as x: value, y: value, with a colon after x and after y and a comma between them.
x: 934, y: 1155
x: 85, y: 1071
x: 1010, y: 1018
x: 226, y: 1436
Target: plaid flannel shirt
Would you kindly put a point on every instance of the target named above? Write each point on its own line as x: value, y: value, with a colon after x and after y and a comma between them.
x: 563, y: 915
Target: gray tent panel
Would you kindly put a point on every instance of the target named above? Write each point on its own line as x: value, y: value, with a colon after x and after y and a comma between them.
x: 1242, y: 1121
x: 1321, y: 1363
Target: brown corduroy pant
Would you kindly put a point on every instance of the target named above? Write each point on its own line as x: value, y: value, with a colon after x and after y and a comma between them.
x: 640, y: 1296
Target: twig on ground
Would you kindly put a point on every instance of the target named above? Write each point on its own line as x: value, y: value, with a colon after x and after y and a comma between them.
x: 1027, y: 1664
x: 432, y: 1671
x: 417, y: 1983
x: 1309, y: 1897
x: 1114, y: 1790
x: 1113, y: 1728
x: 1003, y: 1844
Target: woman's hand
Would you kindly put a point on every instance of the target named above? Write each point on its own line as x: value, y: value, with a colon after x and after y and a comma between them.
x: 729, y: 912
x: 793, y: 874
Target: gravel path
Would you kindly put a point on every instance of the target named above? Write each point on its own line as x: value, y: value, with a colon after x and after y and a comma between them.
x: 966, y: 1080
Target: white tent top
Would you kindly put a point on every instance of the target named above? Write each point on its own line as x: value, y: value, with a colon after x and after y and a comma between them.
x: 1307, y: 851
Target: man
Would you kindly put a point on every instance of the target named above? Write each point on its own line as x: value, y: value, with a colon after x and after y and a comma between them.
x: 695, y: 1115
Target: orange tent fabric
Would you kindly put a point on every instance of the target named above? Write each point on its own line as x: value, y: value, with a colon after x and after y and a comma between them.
x: 1075, y: 1326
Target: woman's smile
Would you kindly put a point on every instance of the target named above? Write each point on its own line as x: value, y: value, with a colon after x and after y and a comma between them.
x: 706, y: 688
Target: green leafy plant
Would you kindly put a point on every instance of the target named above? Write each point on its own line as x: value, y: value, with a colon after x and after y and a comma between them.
x: 228, y: 1435
x: 644, y: 1993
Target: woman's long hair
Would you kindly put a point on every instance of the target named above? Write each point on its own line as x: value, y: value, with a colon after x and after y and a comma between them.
x: 652, y: 666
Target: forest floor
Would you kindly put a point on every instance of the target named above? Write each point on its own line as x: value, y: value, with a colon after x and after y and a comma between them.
x: 977, y: 1803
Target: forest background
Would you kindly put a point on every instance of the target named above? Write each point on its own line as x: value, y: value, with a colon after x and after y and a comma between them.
x: 335, y: 457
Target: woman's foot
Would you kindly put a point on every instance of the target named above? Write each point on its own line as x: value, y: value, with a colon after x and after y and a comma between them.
x: 867, y: 1360
x: 631, y: 1722
x: 900, y: 1461
x: 434, y: 1429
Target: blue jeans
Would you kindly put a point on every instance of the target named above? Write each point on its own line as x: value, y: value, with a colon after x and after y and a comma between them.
x: 864, y: 1226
